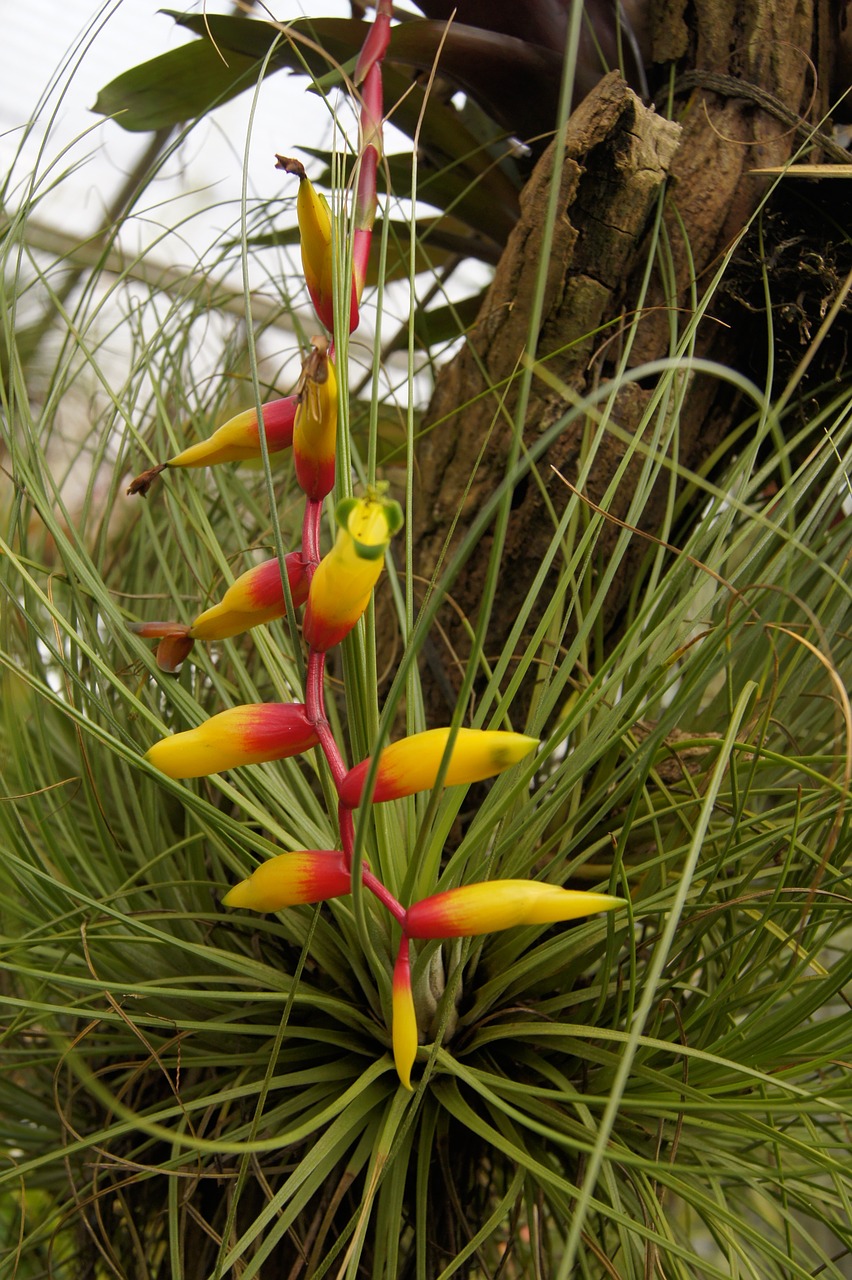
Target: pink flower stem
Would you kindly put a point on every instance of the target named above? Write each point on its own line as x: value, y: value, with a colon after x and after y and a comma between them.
x: 368, y: 74
x: 311, y: 533
x: 314, y: 691
x: 347, y: 837
x: 384, y: 896
x: 347, y: 832
x: 315, y: 708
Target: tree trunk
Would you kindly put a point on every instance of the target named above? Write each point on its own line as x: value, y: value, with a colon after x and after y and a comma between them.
x: 745, y: 90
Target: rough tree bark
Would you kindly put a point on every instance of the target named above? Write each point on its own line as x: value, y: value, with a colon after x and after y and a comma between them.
x: 745, y: 85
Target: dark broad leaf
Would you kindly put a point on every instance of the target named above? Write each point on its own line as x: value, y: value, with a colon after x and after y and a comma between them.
x: 467, y: 171
x: 457, y: 232
x: 440, y: 241
x: 543, y: 22
x: 612, y: 31
x: 176, y: 86
x: 449, y: 189
x: 516, y: 81
x: 398, y: 263
x: 442, y: 324
x: 439, y: 238
x: 186, y: 82
x: 313, y: 45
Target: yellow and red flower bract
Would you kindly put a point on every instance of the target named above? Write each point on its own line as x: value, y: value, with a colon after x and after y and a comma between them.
x: 315, y: 233
x: 249, y: 734
x: 255, y: 597
x: 344, y: 579
x: 237, y: 440
x: 311, y: 875
x: 404, y: 1026
x: 413, y: 764
x: 315, y: 430
x: 500, y: 904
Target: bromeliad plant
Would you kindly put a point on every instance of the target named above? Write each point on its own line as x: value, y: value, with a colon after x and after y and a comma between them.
x: 195, y: 1091
x: 336, y: 590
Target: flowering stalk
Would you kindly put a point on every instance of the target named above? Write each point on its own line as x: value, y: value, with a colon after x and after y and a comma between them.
x: 315, y: 709
x: 336, y: 589
x: 314, y: 215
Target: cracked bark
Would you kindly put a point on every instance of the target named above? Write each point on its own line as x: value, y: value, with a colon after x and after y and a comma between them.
x: 618, y: 154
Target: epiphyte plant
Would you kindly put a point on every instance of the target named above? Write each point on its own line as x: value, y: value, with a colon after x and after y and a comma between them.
x: 336, y: 590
